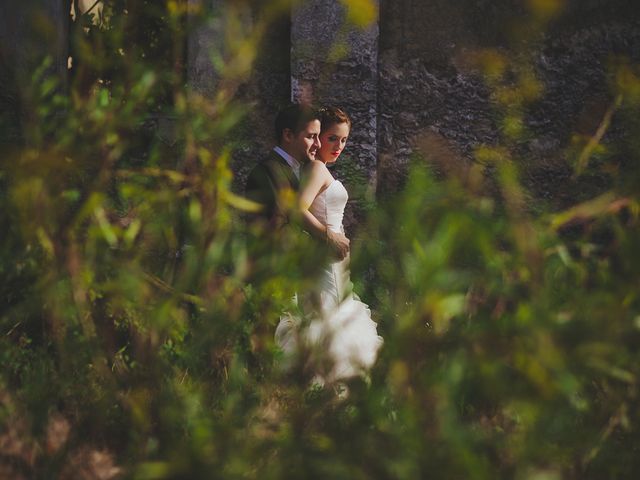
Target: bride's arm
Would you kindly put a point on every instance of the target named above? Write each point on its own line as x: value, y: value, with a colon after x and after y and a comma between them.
x: 319, y: 178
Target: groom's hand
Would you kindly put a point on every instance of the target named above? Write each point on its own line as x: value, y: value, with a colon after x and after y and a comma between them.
x: 339, y: 243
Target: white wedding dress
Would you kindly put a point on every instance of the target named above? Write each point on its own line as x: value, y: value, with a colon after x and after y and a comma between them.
x: 338, y: 334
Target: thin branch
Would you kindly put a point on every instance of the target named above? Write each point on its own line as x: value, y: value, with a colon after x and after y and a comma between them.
x: 613, y: 423
x: 162, y: 285
x: 594, y: 141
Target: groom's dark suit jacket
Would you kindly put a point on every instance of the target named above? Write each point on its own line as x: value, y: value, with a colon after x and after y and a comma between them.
x: 267, y: 185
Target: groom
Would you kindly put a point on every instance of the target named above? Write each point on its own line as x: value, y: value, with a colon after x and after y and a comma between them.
x: 275, y: 182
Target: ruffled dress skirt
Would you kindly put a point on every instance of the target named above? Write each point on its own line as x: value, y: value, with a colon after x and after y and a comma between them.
x: 336, y: 337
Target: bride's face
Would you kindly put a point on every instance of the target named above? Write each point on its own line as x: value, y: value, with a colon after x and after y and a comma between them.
x: 332, y: 142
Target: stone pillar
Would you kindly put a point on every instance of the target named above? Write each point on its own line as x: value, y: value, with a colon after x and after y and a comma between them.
x: 205, y: 39
x: 30, y: 30
x: 267, y: 86
x: 335, y: 63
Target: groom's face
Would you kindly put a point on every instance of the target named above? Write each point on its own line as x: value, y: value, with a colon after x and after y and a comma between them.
x: 304, y: 145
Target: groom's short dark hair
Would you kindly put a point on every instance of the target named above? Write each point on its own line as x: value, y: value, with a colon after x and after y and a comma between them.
x: 295, y: 117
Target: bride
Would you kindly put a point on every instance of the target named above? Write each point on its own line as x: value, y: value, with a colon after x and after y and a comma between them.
x: 340, y: 336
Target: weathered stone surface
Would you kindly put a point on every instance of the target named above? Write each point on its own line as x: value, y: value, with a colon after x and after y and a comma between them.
x: 424, y: 89
x: 417, y: 99
x: 205, y: 40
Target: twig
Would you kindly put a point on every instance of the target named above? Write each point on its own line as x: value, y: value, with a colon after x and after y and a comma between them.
x: 614, y: 421
x: 13, y: 328
x: 597, y: 137
x: 162, y: 285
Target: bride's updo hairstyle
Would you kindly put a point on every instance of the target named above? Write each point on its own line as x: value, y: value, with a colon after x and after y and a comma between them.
x: 331, y: 116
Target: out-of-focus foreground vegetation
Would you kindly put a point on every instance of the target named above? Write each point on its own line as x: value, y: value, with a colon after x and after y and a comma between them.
x: 137, y: 313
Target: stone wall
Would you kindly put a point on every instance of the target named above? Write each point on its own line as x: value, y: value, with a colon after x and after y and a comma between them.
x: 425, y: 90
x: 402, y: 79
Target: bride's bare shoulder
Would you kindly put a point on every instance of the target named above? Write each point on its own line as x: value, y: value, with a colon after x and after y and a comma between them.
x: 317, y: 165
x: 318, y: 169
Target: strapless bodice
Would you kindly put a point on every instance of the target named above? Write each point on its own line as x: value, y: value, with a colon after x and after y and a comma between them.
x: 328, y: 206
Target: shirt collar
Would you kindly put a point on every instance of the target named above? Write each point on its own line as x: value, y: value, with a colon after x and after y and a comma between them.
x: 293, y: 163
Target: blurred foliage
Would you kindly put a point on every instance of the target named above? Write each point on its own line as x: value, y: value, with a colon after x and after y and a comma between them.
x: 137, y: 303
